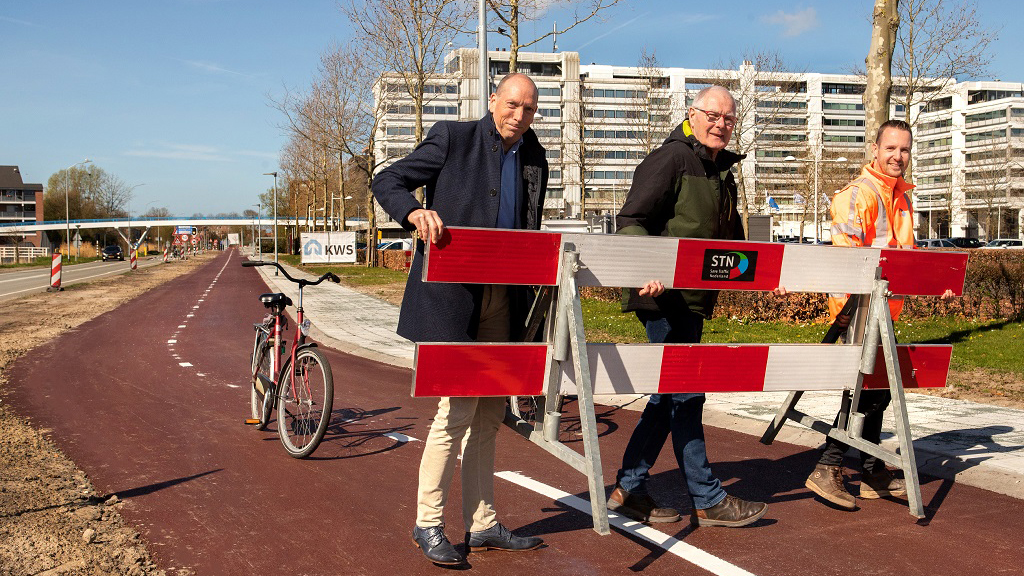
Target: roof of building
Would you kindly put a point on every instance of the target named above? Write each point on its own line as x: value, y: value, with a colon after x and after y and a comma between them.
x: 10, y: 179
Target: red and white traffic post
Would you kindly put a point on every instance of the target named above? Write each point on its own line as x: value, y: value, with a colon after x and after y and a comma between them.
x: 134, y: 258
x: 566, y: 361
x: 55, y: 273
x: 165, y: 254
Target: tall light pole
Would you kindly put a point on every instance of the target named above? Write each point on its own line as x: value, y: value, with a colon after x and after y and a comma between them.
x: 67, y: 208
x: 485, y: 86
x: 274, y: 174
x: 816, y: 160
x: 130, y: 246
x: 259, y: 231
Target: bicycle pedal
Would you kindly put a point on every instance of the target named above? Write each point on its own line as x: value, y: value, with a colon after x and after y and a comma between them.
x: 252, y: 420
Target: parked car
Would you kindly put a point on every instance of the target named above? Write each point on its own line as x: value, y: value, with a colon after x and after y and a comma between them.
x: 112, y: 252
x: 1002, y: 243
x: 935, y: 243
x: 966, y: 242
x: 403, y: 244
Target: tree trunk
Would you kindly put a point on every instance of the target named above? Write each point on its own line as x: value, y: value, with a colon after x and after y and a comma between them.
x: 513, y: 34
x: 885, y: 21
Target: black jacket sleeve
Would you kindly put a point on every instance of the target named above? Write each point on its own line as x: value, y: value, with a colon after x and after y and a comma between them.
x: 394, y: 186
x: 648, y: 204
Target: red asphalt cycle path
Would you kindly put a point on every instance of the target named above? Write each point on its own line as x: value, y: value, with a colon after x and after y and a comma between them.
x: 213, y: 495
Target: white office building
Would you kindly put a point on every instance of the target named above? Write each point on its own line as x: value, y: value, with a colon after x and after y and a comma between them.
x: 803, y: 134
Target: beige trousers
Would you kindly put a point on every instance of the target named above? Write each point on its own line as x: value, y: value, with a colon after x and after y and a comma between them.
x: 469, y: 426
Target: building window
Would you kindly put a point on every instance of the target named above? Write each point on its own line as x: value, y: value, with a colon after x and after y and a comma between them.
x: 983, y: 116
x: 549, y: 112
x: 631, y: 114
x: 835, y: 88
x: 633, y: 134
x: 841, y: 106
x: 775, y: 105
x: 609, y: 175
x: 986, y: 135
x: 843, y: 138
x: 843, y: 122
x: 401, y: 131
x: 548, y: 132
x: 549, y: 91
x: 600, y: 93
x: 554, y: 154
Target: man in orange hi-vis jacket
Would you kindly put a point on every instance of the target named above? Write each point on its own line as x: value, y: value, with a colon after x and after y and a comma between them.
x: 873, y: 210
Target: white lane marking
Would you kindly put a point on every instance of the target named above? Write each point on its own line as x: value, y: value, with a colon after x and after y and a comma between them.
x: 687, y: 552
x: 172, y: 341
x: 185, y: 364
x: 233, y: 386
x: 182, y: 326
x: 400, y: 437
x: 190, y: 315
x: 195, y: 307
x: 200, y: 374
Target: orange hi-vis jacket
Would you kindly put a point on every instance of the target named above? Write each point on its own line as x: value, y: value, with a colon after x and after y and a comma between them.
x: 873, y: 210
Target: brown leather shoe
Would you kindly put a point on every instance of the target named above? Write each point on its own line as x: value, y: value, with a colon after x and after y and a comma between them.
x: 827, y: 482
x: 881, y: 484
x: 640, y: 507
x: 731, y: 512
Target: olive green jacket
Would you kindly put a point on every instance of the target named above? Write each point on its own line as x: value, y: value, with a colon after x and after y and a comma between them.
x: 679, y: 191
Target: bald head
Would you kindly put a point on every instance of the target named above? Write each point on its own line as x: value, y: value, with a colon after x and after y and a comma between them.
x: 513, y: 106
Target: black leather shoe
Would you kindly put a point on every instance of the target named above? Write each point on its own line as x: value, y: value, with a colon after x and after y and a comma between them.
x: 435, y: 545
x: 498, y: 537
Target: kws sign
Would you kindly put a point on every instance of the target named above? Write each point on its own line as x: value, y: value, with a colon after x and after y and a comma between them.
x: 328, y: 247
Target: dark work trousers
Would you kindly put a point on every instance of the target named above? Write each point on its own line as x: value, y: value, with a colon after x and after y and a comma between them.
x: 872, y: 405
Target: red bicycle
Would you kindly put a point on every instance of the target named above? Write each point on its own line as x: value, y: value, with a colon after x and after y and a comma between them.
x: 302, y: 388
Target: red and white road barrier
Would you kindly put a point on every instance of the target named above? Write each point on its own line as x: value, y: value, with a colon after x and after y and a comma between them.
x: 55, y: 271
x: 521, y: 369
x: 134, y: 259
x: 165, y: 256
x: 488, y: 256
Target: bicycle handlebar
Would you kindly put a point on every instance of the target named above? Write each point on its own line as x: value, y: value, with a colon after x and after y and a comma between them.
x: 302, y: 281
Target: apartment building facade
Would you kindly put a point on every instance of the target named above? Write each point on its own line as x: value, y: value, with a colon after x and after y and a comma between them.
x: 802, y: 133
x: 19, y: 202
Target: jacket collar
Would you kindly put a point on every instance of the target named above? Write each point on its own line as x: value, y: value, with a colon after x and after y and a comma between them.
x: 723, y: 160
x: 897, y: 185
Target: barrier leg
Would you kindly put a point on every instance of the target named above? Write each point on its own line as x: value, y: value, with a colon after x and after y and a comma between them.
x: 785, y: 412
x: 585, y: 398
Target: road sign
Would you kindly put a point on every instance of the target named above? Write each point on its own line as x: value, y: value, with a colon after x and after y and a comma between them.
x: 183, y: 230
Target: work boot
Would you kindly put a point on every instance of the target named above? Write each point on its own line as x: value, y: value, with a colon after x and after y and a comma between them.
x: 640, y: 507
x: 731, y: 512
x: 881, y: 484
x: 827, y: 482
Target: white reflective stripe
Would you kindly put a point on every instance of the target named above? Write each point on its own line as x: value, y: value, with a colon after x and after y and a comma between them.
x: 803, y: 265
x: 799, y: 367
x: 622, y: 260
x: 614, y: 369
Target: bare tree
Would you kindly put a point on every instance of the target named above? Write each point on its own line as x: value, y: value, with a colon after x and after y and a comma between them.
x: 937, y: 42
x: 408, y: 38
x: 884, y: 23
x: 513, y: 13
x: 986, y: 186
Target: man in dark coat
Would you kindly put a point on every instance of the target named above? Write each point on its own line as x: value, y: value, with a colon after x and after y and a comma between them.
x: 685, y: 189
x: 490, y: 173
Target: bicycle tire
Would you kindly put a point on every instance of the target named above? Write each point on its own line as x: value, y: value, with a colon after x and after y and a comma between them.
x: 304, y: 402
x: 261, y: 360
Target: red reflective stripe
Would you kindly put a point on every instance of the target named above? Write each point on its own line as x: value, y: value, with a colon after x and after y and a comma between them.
x: 479, y: 369
x: 921, y: 366
x: 713, y: 369
x: 690, y: 264
x: 924, y: 273
x: 494, y: 257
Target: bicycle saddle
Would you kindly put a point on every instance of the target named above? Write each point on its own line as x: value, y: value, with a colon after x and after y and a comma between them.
x: 275, y: 300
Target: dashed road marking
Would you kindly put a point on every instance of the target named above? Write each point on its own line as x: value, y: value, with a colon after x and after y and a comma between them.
x: 172, y: 341
x: 690, y: 553
x: 185, y: 364
x: 400, y: 437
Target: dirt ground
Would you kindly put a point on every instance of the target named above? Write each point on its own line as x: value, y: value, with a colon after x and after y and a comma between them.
x: 52, y: 520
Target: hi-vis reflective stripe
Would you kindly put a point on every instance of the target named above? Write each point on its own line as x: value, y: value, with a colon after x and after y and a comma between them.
x: 55, y: 270
x: 520, y: 369
x: 488, y: 256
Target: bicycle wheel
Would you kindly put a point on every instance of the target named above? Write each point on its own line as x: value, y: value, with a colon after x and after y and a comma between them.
x: 304, y: 402
x: 263, y: 350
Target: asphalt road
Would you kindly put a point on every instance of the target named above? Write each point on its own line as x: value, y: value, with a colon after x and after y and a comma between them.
x: 162, y: 427
x: 20, y: 282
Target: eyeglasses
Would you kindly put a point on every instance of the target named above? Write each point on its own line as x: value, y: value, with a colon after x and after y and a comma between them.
x: 714, y: 117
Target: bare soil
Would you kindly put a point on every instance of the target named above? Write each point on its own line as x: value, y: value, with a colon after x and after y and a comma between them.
x: 53, y: 521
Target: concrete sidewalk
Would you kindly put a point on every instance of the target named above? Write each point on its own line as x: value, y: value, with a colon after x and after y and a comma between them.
x: 975, y: 444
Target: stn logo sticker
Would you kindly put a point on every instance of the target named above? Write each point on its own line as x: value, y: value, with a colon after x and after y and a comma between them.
x: 729, y: 265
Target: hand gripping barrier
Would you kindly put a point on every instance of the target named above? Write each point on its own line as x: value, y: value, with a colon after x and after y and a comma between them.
x: 566, y: 363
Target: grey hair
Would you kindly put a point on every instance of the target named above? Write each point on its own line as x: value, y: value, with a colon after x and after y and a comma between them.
x: 698, y: 101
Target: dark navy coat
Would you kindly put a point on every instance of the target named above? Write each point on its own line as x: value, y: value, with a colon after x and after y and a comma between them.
x: 459, y: 165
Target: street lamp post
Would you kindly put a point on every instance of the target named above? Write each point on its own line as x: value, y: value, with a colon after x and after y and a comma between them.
x: 816, y: 160
x: 274, y: 174
x: 130, y: 246
x: 259, y: 231
x: 67, y: 205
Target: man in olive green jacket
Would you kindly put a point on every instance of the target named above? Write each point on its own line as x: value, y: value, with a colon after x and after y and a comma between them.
x: 683, y: 189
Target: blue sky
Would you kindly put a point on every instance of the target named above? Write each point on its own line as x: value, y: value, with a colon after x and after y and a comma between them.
x: 173, y: 94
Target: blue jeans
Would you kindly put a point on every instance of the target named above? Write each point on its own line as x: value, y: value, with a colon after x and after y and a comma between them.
x: 680, y: 414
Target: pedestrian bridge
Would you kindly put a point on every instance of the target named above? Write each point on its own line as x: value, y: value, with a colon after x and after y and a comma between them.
x: 8, y: 229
